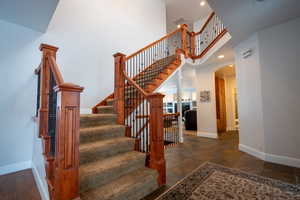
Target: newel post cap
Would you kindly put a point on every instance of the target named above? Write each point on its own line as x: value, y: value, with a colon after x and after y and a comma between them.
x: 118, y: 54
x: 48, y: 47
x: 155, y: 95
x: 68, y: 87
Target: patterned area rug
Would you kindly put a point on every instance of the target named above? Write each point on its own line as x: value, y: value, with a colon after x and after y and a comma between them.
x: 214, y: 182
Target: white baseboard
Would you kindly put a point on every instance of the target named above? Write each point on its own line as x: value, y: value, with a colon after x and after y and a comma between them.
x: 41, y: 187
x: 85, y: 111
x: 7, y: 169
x: 283, y: 160
x: 207, y: 134
x: 252, y: 151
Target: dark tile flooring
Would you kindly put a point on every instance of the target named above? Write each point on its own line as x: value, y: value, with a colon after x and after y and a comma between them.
x: 181, y: 159
x: 184, y: 158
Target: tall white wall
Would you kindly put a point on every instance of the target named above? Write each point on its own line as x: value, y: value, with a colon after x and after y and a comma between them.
x: 280, y: 70
x: 88, y: 34
x: 250, y: 95
x: 268, y: 94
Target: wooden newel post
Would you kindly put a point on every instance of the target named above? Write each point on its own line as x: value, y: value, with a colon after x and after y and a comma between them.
x: 119, y: 90
x: 156, y: 159
x: 66, y: 184
x: 47, y: 50
x: 184, y: 28
x: 193, y: 44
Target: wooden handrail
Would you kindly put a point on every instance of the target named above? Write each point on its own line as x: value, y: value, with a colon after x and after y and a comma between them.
x: 153, y: 43
x: 206, y: 23
x: 55, y: 70
x: 134, y: 84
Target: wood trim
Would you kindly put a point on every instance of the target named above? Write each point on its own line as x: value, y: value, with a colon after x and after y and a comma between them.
x: 153, y: 43
x: 62, y: 168
x: 119, y: 91
x: 55, y: 70
x: 156, y: 157
x: 102, y: 103
x: 206, y: 23
x: 211, y: 44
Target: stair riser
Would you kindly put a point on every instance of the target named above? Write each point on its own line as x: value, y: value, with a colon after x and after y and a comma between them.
x: 102, y: 134
x: 105, y: 110
x: 98, y: 179
x: 105, y: 152
x: 97, y: 121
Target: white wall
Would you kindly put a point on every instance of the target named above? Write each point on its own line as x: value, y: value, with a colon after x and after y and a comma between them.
x: 268, y: 94
x: 88, y: 34
x: 280, y: 70
x: 206, y: 111
x: 249, y: 95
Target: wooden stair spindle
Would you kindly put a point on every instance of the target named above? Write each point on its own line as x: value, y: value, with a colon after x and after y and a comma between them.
x: 156, y: 156
x: 119, y: 104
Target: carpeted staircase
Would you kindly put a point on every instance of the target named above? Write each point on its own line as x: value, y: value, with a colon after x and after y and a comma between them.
x: 110, y: 169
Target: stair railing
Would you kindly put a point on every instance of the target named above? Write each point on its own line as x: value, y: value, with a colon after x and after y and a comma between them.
x: 211, y: 32
x: 58, y: 112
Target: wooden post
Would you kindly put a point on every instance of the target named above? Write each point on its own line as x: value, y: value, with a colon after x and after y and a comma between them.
x: 119, y: 91
x: 184, y: 28
x: 156, y: 157
x: 193, y: 44
x: 66, y: 183
x: 46, y: 50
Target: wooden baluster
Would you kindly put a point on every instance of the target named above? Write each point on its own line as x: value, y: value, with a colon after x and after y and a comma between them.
x: 66, y: 184
x: 119, y: 104
x: 156, y: 156
x: 184, y: 28
x: 193, y: 44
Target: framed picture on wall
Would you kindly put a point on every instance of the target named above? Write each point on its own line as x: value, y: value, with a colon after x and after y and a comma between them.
x: 204, y: 96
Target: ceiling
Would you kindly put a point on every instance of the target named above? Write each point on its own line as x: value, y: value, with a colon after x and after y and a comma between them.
x: 185, y: 11
x: 245, y: 17
x: 225, y: 50
x: 34, y: 14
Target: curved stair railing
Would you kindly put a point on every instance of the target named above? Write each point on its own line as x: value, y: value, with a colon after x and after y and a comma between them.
x: 58, y: 113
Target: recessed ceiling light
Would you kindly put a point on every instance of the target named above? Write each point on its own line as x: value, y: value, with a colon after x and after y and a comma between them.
x: 221, y: 56
x: 202, y: 3
x: 178, y: 26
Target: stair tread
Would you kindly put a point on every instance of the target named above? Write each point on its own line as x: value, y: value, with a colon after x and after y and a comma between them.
x: 100, y: 127
x: 103, y: 143
x: 97, y: 115
x: 130, y: 186
x: 112, y: 162
x: 105, y: 106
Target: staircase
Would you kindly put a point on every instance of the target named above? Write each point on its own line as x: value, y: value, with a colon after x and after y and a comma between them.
x: 116, y: 153
x: 109, y: 166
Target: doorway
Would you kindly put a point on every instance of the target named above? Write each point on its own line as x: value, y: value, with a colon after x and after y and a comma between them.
x: 226, y: 99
